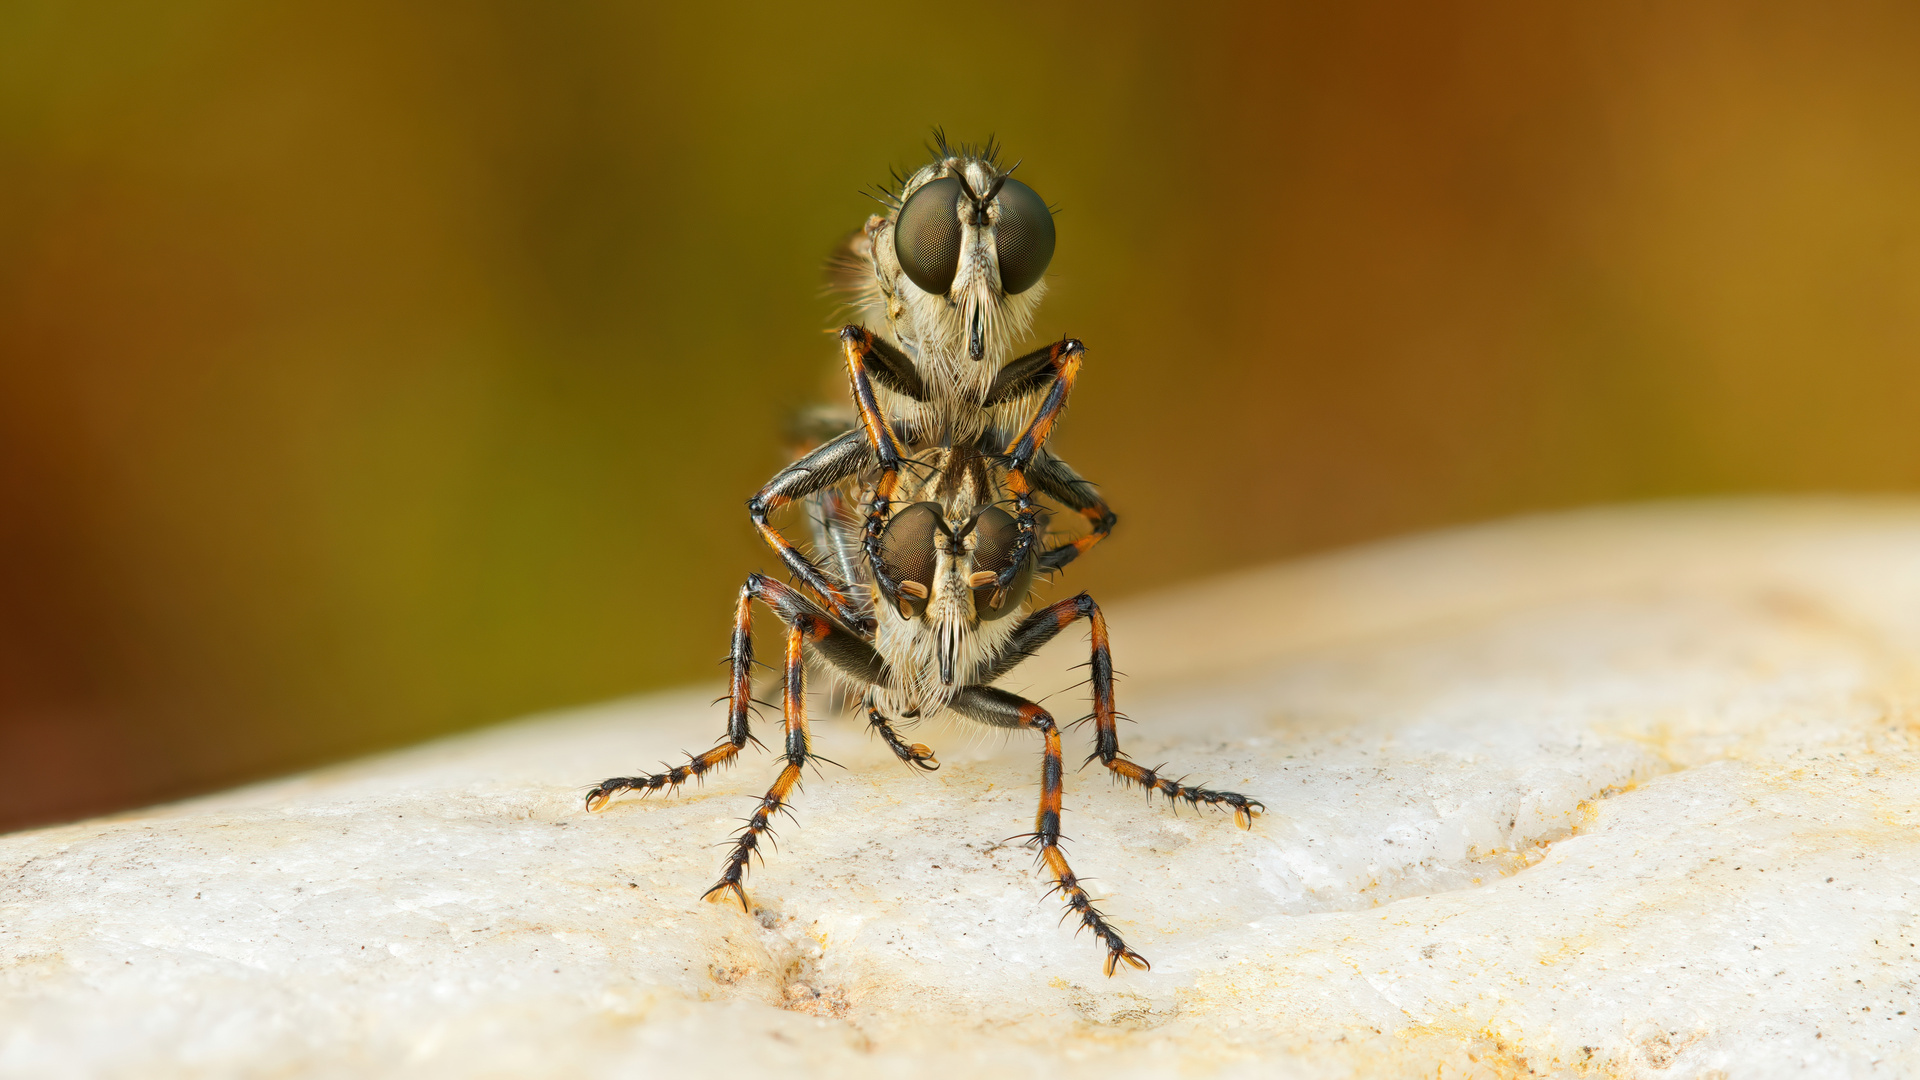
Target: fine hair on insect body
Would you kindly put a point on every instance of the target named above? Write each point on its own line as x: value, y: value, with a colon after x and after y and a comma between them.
x: 928, y: 526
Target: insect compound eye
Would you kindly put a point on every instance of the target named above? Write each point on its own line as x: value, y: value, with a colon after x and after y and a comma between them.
x: 996, y: 532
x: 906, y: 550
x: 927, y: 235
x: 1023, y: 237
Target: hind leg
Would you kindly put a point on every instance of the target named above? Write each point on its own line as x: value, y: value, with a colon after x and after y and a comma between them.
x: 1001, y: 709
x: 800, y: 632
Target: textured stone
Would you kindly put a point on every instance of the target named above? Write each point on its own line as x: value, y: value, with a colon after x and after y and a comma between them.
x: 1627, y: 792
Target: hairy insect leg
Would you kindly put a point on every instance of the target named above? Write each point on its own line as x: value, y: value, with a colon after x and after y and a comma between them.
x: 1055, y: 478
x: 834, y: 644
x: 914, y: 754
x: 802, y: 630
x: 739, y: 714
x: 1056, y: 368
x: 815, y: 472
x: 991, y: 705
x: 866, y: 358
x: 1041, y: 627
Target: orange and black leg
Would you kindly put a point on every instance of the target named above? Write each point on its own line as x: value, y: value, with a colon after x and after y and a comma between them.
x: 914, y: 754
x: 819, y: 470
x: 802, y: 630
x: 1025, y: 376
x: 994, y: 706
x: 1039, y: 628
x: 1055, y: 478
x: 867, y: 358
x: 832, y: 642
x: 1054, y: 368
x: 870, y: 361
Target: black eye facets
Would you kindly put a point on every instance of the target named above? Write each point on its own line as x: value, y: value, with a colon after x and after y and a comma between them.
x: 927, y: 235
x: 1023, y: 237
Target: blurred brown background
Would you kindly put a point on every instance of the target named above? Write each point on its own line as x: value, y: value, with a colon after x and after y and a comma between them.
x: 375, y: 370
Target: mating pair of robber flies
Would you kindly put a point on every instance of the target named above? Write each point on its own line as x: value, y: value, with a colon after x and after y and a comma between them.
x: 928, y: 524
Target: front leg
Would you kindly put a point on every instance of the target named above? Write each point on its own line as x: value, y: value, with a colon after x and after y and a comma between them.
x: 870, y: 361
x: 1061, y: 362
x: 914, y: 754
x: 868, y: 356
x: 801, y: 631
x: 1056, y: 479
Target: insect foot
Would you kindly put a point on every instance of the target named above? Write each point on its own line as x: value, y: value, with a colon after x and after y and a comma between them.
x: 1079, y: 903
x: 697, y: 765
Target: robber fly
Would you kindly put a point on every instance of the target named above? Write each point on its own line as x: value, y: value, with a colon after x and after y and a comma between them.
x: 928, y: 522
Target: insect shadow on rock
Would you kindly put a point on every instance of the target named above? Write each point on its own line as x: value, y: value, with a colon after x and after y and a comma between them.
x: 927, y: 521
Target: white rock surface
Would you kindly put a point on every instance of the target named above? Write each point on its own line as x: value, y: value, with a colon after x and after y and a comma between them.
x: 1630, y: 792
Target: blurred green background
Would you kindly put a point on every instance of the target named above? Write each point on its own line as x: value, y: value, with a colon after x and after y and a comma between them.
x: 372, y: 370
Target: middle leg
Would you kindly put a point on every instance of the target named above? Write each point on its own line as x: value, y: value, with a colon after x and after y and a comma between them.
x: 801, y: 630
x: 1054, y: 477
x: 1041, y: 627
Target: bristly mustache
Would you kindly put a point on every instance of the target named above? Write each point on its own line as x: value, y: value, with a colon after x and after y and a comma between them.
x: 947, y: 647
